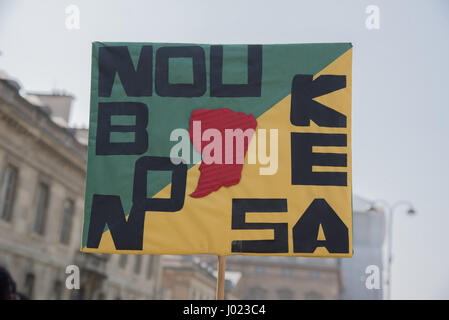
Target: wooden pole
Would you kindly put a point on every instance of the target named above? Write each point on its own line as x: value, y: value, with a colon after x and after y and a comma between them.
x: 221, y: 277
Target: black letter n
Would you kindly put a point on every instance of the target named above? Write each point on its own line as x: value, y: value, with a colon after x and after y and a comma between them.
x: 136, y: 82
x: 107, y: 210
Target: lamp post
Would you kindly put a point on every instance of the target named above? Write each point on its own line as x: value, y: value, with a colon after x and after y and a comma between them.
x: 391, y: 209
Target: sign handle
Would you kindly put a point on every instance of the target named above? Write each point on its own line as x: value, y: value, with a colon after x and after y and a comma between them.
x: 221, y: 277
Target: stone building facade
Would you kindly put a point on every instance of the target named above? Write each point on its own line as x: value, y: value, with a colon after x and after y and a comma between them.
x: 188, y: 278
x: 185, y: 278
x: 42, y: 181
x: 285, y: 278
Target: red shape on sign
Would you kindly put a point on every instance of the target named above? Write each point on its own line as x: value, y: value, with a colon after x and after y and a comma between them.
x: 213, y: 176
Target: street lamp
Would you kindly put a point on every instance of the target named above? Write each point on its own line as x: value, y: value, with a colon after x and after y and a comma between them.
x: 391, y: 209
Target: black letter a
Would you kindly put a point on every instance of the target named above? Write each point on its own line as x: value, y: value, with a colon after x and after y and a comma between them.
x: 305, y: 232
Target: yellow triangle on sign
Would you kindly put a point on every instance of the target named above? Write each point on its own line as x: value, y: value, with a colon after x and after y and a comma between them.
x: 321, y: 235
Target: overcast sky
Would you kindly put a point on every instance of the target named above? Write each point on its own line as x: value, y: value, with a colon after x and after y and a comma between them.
x: 400, y: 85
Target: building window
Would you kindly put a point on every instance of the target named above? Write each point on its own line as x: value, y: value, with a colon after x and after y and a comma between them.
x: 122, y: 261
x: 138, y: 264
x: 256, y: 293
x: 287, y: 272
x: 67, y: 221
x: 150, y: 266
x: 101, y: 296
x: 43, y: 193
x: 285, y: 294
x: 29, y: 285
x: 79, y: 294
x: 57, y: 290
x: 7, y: 192
x: 313, y: 295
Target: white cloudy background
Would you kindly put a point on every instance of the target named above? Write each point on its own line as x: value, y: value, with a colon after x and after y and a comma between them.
x: 400, y: 85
